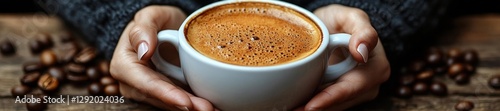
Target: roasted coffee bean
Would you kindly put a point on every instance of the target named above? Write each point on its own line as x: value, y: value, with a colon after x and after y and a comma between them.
x: 434, y: 57
x: 107, y: 80
x: 451, y: 61
x: 86, y: 55
x: 48, y: 83
x: 425, y: 76
x: 7, y: 48
x: 469, y: 69
x: 48, y: 58
x: 494, y: 82
x: 471, y: 57
x: 439, y: 89
x: 20, y: 90
x: 73, y: 68
x: 57, y: 72
x: 32, y: 67
x: 462, y: 78
x: 417, y: 66
x: 36, y: 46
x: 112, y: 90
x: 455, y: 53
x: 95, y: 89
x: 36, y: 106
x: 404, y: 92
x: 455, y: 69
x: 103, y: 67
x: 67, y: 56
x: 464, y: 106
x: 45, y: 40
x: 93, y: 74
x: 77, y: 78
x: 420, y: 88
x: 407, y: 80
x: 440, y: 69
x: 30, y: 79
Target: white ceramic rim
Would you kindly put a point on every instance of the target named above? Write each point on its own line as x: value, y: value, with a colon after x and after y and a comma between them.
x: 191, y: 51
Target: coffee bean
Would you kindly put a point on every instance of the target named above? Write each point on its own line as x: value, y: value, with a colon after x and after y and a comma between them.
x: 464, y: 106
x: 107, y: 80
x: 36, y: 46
x: 20, y: 90
x: 407, y: 80
x: 77, y: 78
x: 471, y: 57
x: 439, y: 89
x: 420, y: 88
x: 30, y: 79
x: 112, y: 90
x: 6, y: 48
x: 48, y: 58
x: 95, y: 89
x: 417, y: 66
x: 434, y: 57
x: 32, y: 67
x: 73, y: 68
x: 57, y: 72
x: 455, y: 69
x: 455, y: 53
x: 68, y: 55
x: 86, y: 55
x: 48, y: 83
x: 462, y: 78
x: 45, y: 40
x: 404, y: 92
x: 425, y: 76
x: 36, y: 106
x: 494, y: 82
x: 66, y: 37
x: 451, y: 61
x: 103, y: 67
x: 93, y: 73
x: 469, y: 69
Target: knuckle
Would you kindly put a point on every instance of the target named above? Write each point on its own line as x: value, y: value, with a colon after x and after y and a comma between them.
x: 358, y: 13
x: 113, y: 70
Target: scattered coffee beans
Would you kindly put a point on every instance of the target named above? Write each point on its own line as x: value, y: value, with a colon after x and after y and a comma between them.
x: 32, y: 67
x: 112, y: 90
x: 86, y: 55
x: 407, y: 80
x: 103, y: 67
x: 417, y: 66
x: 494, y: 82
x: 455, y: 54
x: 36, y: 46
x: 471, y: 57
x: 404, y: 92
x: 455, y: 69
x: 48, y: 83
x: 57, y: 73
x: 7, y: 48
x: 420, y: 88
x: 464, y: 106
x: 45, y: 40
x: 96, y: 89
x: 76, y: 69
x: 425, y: 76
x: 20, y: 90
x: 30, y: 79
x: 107, y: 80
x: 77, y: 78
x: 434, y: 57
x: 462, y: 79
x: 93, y: 73
x: 36, y: 106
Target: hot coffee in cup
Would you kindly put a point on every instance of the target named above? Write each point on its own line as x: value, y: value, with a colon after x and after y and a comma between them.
x: 253, y: 55
x: 253, y: 34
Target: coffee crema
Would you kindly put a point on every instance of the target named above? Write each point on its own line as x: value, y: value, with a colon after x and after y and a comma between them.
x: 253, y: 34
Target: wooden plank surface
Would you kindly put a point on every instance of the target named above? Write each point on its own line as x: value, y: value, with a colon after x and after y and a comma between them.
x: 481, y: 32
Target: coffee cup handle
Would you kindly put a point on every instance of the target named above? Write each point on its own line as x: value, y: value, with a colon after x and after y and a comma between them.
x: 335, y: 71
x: 175, y: 72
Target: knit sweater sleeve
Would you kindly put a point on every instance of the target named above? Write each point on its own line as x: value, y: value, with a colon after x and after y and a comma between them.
x: 101, y: 22
x: 396, y: 21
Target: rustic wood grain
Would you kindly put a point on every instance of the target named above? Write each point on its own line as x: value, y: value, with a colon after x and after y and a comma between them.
x: 481, y: 32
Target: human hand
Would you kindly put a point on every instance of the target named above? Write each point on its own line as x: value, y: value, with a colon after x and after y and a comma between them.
x: 362, y: 82
x: 131, y: 65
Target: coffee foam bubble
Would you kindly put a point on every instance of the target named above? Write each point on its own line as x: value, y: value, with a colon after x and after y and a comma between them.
x: 248, y: 34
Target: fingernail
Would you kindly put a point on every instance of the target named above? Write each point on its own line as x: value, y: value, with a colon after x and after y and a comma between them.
x: 141, y: 50
x: 363, y: 51
x: 183, y: 108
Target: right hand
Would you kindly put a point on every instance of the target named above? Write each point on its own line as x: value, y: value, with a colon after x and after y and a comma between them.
x: 131, y: 65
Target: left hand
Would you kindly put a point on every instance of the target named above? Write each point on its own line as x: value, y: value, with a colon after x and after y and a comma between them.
x: 362, y: 82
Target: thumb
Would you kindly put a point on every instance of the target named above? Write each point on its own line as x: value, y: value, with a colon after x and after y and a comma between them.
x: 147, y: 23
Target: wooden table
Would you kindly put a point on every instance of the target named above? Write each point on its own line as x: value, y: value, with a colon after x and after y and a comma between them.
x: 481, y: 32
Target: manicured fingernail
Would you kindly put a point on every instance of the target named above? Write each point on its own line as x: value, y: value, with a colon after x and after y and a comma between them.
x: 363, y: 51
x: 141, y: 50
x: 183, y: 108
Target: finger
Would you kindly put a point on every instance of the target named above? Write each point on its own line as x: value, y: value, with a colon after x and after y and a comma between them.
x: 370, y: 95
x: 132, y: 93
x: 148, y: 22
x: 354, y: 21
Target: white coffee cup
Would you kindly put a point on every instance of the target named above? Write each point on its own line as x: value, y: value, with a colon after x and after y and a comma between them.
x: 237, y: 88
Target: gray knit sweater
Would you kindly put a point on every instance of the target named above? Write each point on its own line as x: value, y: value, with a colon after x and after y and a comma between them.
x: 102, y: 21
